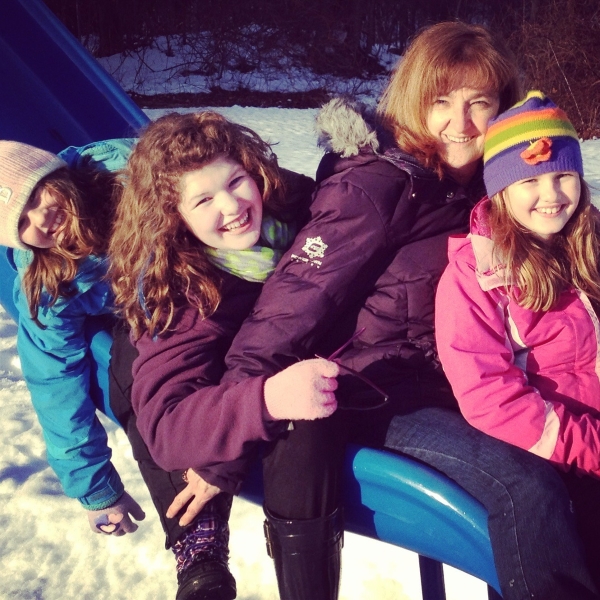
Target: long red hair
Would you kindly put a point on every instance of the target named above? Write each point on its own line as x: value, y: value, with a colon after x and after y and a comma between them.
x: 156, y: 264
x: 539, y: 270
x: 85, y: 196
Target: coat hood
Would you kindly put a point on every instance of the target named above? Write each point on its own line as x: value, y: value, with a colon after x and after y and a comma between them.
x: 349, y: 133
x: 489, y: 267
x: 346, y: 127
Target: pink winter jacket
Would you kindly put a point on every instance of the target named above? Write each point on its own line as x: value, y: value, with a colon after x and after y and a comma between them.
x: 529, y: 378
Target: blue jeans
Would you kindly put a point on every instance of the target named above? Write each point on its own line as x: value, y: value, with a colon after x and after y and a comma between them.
x: 537, y: 550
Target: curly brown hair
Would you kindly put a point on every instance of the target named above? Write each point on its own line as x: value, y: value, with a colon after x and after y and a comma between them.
x: 156, y: 264
x: 85, y: 196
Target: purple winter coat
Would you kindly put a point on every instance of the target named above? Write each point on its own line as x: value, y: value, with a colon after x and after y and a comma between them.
x: 370, y: 256
x: 183, y: 415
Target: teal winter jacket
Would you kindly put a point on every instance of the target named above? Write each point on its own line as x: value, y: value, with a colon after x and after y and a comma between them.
x: 56, y: 360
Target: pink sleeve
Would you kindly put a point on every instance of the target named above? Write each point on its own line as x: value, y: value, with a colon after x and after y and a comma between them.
x: 492, y: 390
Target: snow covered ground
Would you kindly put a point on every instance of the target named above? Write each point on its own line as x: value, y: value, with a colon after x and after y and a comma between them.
x: 46, y: 549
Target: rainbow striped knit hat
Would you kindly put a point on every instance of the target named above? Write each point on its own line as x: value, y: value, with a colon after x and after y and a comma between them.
x: 529, y: 139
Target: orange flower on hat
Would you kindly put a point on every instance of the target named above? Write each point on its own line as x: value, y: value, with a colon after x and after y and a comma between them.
x: 538, y: 151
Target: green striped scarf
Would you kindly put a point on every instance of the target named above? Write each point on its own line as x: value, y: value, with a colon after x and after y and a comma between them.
x: 258, y: 262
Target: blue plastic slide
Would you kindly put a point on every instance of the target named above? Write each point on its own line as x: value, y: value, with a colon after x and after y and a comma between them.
x: 55, y: 94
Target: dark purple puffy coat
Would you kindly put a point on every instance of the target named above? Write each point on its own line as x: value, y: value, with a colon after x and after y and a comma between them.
x: 371, y: 256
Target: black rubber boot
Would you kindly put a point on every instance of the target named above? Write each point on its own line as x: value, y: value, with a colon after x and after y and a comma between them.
x: 307, y: 556
x: 206, y: 580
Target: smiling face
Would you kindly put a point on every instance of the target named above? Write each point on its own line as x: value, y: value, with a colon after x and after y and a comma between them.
x: 222, y: 205
x: 458, y: 121
x: 544, y: 204
x: 41, y: 220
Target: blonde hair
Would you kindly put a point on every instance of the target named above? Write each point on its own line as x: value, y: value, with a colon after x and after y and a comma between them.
x: 84, y: 195
x: 156, y: 264
x: 538, y: 271
x: 442, y: 58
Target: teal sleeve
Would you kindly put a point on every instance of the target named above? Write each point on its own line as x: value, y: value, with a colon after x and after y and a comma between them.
x: 55, y: 361
x: 109, y: 155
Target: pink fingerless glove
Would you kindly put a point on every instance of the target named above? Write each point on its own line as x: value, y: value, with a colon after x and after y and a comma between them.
x: 304, y: 391
x: 115, y: 519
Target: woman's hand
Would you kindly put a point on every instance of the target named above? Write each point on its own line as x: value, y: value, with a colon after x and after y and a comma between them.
x: 198, y: 491
x: 304, y: 391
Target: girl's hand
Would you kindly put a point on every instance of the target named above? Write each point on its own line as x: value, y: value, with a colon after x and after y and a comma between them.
x: 304, y: 391
x: 115, y: 519
x: 198, y: 491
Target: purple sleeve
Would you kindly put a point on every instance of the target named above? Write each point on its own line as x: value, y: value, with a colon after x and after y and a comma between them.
x: 183, y: 415
x: 328, y: 271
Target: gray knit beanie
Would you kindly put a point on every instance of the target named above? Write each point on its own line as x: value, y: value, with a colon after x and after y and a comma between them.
x: 22, y: 167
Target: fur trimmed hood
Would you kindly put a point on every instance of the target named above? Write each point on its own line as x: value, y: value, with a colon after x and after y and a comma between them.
x: 348, y: 129
x: 345, y: 126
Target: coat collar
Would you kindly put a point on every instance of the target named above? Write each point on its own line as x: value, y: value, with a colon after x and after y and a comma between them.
x: 490, y: 269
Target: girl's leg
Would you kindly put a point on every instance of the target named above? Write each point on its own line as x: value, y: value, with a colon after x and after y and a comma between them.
x: 202, y: 549
x: 202, y: 554
x: 537, y: 550
x: 304, y: 526
x: 302, y: 470
x: 585, y: 496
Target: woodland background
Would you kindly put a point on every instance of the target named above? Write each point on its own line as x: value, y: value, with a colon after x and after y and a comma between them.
x: 557, y: 42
